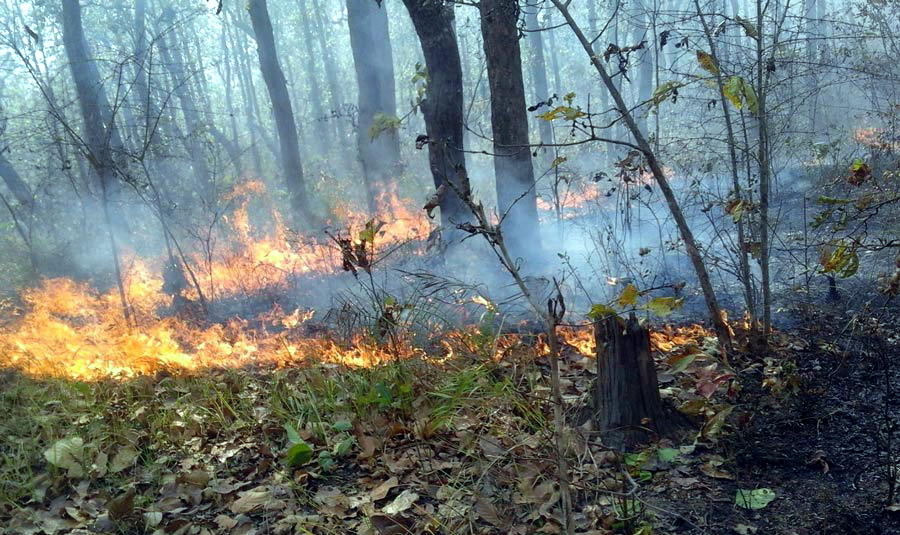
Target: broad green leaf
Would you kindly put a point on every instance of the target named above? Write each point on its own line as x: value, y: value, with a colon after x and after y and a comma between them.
x: 68, y: 454
x: 299, y: 453
x: 600, y: 311
x: 629, y: 296
x: 663, y: 306
x: 754, y: 499
x: 342, y: 448
x: 293, y: 435
x: 668, y: 455
x: 383, y: 122
x: 841, y: 261
x: 666, y: 90
x: 342, y: 425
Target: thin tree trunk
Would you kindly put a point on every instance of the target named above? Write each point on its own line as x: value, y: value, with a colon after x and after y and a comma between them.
x: 291, y: 165
x: 656, y: 168
x: 538, y: 75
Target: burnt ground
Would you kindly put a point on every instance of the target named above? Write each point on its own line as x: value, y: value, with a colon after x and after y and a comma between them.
x: 823, y: 445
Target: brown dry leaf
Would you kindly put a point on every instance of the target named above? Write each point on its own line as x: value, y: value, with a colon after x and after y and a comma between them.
x: 225, y: 522
x: 379, y: 492
x: 197, y: 478
x: 124, y: 458
x: 256, y: 498
x: 710, y: 470
x: 487, y: 511
x: 385, y: 525
x: 332, y: 501
x: 121, y: 508
x: 367, y: 444
x: 401, y: 503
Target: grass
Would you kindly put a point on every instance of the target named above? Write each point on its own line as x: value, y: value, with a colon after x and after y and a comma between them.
x: 146, y: 433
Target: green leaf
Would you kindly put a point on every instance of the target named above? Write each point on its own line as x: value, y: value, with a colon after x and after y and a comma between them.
x: 629, y: 296
x: 342, y: 425
x: 668, y: 455
x: 664, y: 91
x: 300, y: 453
x: 567, y: 112
x: 68, y: 454
x: 739, y: 93
x: 824, y: 199
x: 754, y: 499
x: 681, y: 362
x: 383, y: 122
x: 559, y: 160
x: 343, y: 447
x: 600, y: 311
x: 663, y: 306
x: 293, y: 435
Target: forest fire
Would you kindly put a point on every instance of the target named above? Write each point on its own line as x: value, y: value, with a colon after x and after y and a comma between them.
x: 878, y: 139
x: 69, y: 329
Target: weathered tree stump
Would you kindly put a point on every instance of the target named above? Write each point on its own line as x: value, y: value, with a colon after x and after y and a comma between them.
x: 627, y: 407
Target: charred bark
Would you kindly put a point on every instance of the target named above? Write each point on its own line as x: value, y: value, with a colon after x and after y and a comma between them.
x: 513, y: 172
x: 627, y: 407
x: 284, y: 114
x: 379, y: 148
x: 443, y: 108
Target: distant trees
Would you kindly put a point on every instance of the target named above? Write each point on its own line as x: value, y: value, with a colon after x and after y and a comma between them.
x: 376, y: 137
x: 291, y: 165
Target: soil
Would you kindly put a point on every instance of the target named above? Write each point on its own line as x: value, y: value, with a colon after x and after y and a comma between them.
x: 823, y: 445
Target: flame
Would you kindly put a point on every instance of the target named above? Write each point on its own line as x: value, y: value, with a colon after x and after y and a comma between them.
x: 877, y: 138
x: 68, y: 329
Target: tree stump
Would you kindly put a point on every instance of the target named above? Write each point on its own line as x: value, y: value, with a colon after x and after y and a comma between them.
x: 627, y: 407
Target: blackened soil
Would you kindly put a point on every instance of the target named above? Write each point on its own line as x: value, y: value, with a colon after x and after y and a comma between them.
x: 824, y: 445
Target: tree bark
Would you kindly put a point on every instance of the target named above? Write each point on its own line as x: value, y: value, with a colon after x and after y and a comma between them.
x: 443, y: 108
x: 379, y: 152
x: 291, y: 165
x: 539, y: 75
x: 627, y: 407
x: 321, y: 127
x: 513, y: 172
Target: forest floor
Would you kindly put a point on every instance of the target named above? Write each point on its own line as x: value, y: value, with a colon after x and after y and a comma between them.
x: 798, y: 441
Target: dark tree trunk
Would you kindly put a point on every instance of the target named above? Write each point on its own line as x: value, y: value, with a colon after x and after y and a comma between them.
x: 379, y: 152
x: 284, y: 115
x: 443, y: 108
x: 539, y: 75
x: 627, y: 406
x: 513, y: 173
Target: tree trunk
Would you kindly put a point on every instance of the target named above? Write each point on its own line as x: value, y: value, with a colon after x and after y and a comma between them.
x: 174, y: 61
x: 321, y: 127
x: 443, y: 108
x: 379, y: 151
x: 539, y: 77
x: 291, y: 165
x: 627, y: 407
x: 102, y: 137
x: 513, y: 173
x: 690, y: 243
